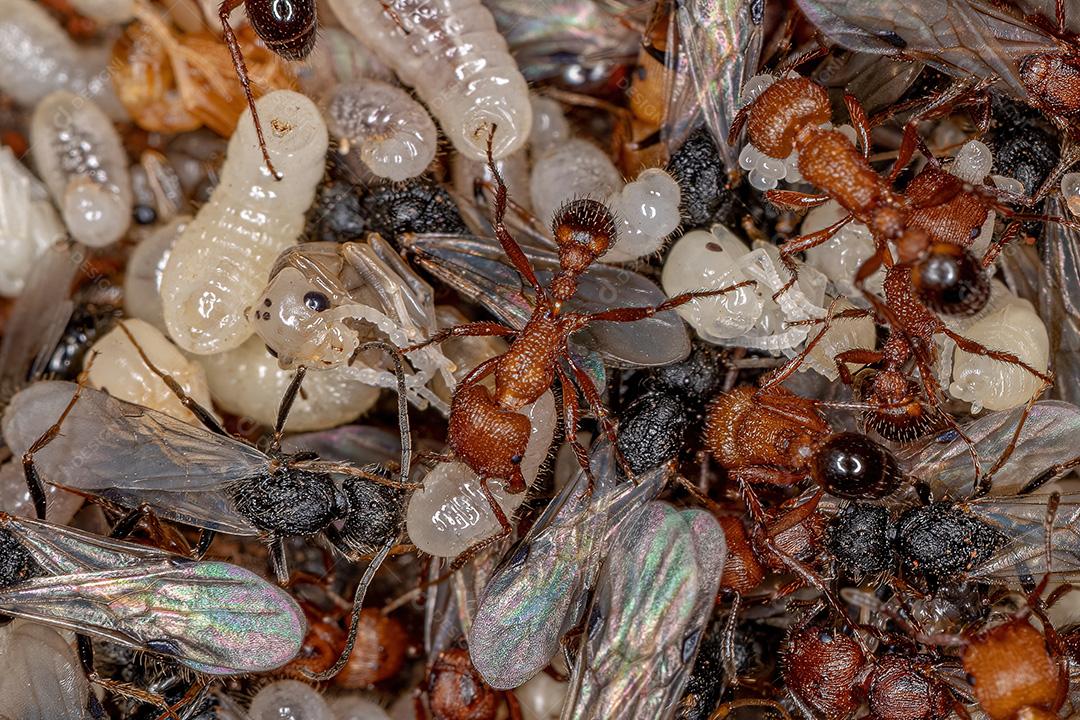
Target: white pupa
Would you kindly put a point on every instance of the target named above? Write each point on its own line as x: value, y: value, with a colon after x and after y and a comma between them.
x: 28, y: 223
x: 81, y: 159
x: 573, y: 169
x: 323, y: 300
x: 391, y: 132
x: 450, y: 52
x: 450, y: 513
x: 748, y: 316
x: 219, y: 264
x: 118, y: 368
x: 249, y: 383
x: 38, y: 57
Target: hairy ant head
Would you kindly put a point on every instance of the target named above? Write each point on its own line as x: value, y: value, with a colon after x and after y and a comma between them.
x: 851, y: 465
x: 288, y: 27
x: 584, y: 230
x: 900, y: 414
x: 949, y: 281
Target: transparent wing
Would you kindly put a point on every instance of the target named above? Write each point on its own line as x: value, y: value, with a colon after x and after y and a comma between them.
x: 539, y: 592
x: 132, y: 454
x: 721, y: 44
x: 1022, y: 521
x: 961, y: 37
x: 1049, y: 437
x: 1059, y: 302
x: 214, y: 617
x: 654, y: 597
x: 474, y: 266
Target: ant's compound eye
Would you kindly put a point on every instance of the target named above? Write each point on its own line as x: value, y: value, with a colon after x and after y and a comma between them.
x: 949, y: 281
x: 852, y: 466
x: 516, y: 459
x: 317, y: 301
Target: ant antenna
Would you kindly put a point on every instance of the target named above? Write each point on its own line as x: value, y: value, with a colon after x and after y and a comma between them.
x: 287, y: 401
x: 403, y: 406
x: 354, y: 622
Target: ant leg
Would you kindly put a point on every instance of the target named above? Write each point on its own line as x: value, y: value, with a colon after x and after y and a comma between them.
x: 404, y: 431
x: 202, y: 414
x: 1059, y: 15
x: 473, y: 329
x: 571, y: 418
x: 803, y: 243
x: 354, y: 621
x: 512, y: 705
x: 286, y: 404
x: 278, y: 561
x: 509, y: 244
x: 855, y: 356
x: 730, y: 663
x: 974, y: 348
x: 126, y: 525
x: 726, y: 709
x: 34, y: 483
x: 206, y: 537
x: 792, y: 200
x: 227, y: 6
x: 859, y: 122
x: 597, y: 407
x: 506, y: 529
x: 632, y: 314
x: 785, y: 371
x: 85, y: 650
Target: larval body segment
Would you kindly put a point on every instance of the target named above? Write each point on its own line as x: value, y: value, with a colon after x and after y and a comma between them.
x: 219, y: 264
x: 28, y: 223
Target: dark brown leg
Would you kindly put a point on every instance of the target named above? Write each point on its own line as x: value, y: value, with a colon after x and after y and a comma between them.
x: 404, y: 431
x: 286, y: 404
x: 570, y: 421
x: 474, y: 329
x: 631, y: 314
x: 34, y: 483
x: 859, y: 122
x: 509, y: 244
x: 792, y: 200
x: 227, y: 6
x: 471, y: 551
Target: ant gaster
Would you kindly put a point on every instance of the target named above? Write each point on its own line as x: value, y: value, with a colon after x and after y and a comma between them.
x: 288, y: 27
x: 487, y: 430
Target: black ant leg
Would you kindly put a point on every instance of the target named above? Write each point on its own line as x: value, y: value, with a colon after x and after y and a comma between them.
x: 278, y: 561
x: 34, y: 483
x: 126, y: 525
x: 286, y: 404
x: 404, y: 470
x: 227, y: 6
x: 202, y: 414
x: 354, y: 622
x: 206, y: 537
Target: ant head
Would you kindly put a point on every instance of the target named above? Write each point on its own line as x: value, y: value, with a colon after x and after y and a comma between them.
x: 821, y: 666
x: 1037, y: 70
x: 900, y: 413
x: 949, y: 280
x: 288, y: 27
x: 291, y: 318
x: 584, y: 230
x: 852, y: 466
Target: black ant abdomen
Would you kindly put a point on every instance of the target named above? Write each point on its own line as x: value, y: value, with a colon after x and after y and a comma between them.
x: 288, y: 27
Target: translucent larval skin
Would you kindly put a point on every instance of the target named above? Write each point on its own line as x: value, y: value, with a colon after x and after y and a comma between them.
x: 450, y: 52
x: 118, y: 367
x: 393, y: 133
x: 248, y: 382
x: 219, y: 264
x: 42, y: 678
x: 28, y: 223
x: 81, y: 159
x: 38, y: 56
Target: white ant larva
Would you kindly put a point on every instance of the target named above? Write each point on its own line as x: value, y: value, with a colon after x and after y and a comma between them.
x: 81, y: 159
x: 392, y: 133
x: 219, y: 264
x: 118, y: 368
x: 450, y: 52
x: 145, y: 266
x: 28, y: 223
x: 249, y: 383
x: 38, y: 56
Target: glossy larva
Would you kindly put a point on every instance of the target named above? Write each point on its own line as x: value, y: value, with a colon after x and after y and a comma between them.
x: 859, y: 333
x: 748, y: 316
x: 146, y: 265
x: 81, y: 159
x: 1070, y: 190
x: 323, y: 299
x: 220, y: 262
x: 1012, y: 326
x: 840, y: 257
x: 38, y: 57
x: 28, y: 223
x: 118, y: 368
x: 248, y: 382
x: 391, y: 132
x: 648, y: 209
x: 450, y: 52
x: 573, y: 169
x: 549, y: 127
x: 449, y: 513
x: 289, y: 699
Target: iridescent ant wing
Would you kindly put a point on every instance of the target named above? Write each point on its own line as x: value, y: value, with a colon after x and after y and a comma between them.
x: 1021, y: 521
x: 654, y: 597
x: 131, y: 454
x: 539, y: 593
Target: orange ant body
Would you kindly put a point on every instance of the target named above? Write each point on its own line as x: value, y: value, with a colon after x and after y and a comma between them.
x: 931, y: 227
x: 288, y: 27
x: 487, y: 432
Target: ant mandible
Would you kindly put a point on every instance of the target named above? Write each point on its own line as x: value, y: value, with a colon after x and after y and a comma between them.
x: 288, y: 27
x: 487, y: 432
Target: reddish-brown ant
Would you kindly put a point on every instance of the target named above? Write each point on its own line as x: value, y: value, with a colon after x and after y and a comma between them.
x: 456, y: 691
x: 487, y: 431
x: 288, y: 27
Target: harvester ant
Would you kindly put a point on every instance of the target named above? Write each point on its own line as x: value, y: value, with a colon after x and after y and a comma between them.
x: 288, y: 27
x: 487, y: 431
